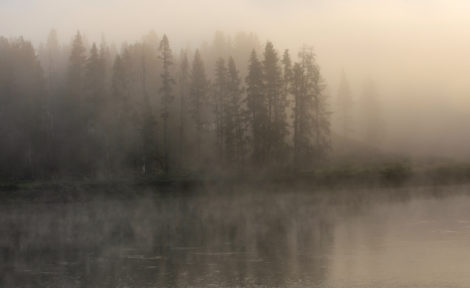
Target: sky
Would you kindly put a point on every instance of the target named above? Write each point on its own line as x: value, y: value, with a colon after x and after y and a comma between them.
x: 416, y: 50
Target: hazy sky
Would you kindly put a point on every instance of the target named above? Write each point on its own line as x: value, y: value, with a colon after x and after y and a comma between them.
x: 417, y: 50
x: 424, y: 35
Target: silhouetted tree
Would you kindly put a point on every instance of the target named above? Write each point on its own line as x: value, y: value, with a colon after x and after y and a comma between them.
x: 277, y: 103
x: 220, y: 107
x: 236, y: 123
x: 198, y: 97
x: 311, y: 124
x: 183, y: 83
x: 167, y: 96
x: 257, y: 106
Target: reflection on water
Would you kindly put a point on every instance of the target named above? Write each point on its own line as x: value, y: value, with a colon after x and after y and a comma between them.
x: 262, y: 239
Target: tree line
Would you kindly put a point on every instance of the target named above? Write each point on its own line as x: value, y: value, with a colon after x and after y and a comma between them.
x: 86, y: 110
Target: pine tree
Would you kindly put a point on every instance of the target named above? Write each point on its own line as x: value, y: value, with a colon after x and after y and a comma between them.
x: 95, y: 83
x: 298, y: 91
x: 257, y: 109
x: 167, y: 96
x: 149, y: 125
x: 220, y: 108
x: 198, y: 97
x: 236, y: 126
x: 183, y: 80
x: 286, y: 75
x: 120, y: 128
x: 75, y: 112
x: 277, y: 102
x: 311, y: 118
x: 76, y: 70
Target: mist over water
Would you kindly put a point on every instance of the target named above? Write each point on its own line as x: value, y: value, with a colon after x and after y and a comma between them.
x: 264, y: 238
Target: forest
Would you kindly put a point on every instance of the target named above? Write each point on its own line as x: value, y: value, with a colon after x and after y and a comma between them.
x: 87, y: 110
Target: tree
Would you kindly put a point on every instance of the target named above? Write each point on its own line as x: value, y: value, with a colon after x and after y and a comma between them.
x: 198, y: 94
x: 311, y: 118
x: 220, y: 107
x: 149, y: 126
x: 52, y: 52
x: 95, y: 81
x: 167, y: 95
x: 93, y: 106
x: 74, y: 111
x: 235, y: 127
x: 300, y: 113
x: 286, y: 76
x: 183, y: 80
x: 76, y: 70
x: 277, y: 103
x: 257, y: 109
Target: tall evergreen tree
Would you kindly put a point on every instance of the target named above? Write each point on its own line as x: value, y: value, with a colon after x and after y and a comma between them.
x: 95, y: 81
x: 76, y: 69
x: 286, y: 74
x: 183, y: 83
x: 198, y: 94
x: 220, y: 107
x: 277, y: 103
x: 236, y: 125
x: 311, y: 117
x: 167, y: 96
x: 51, y: 67
x: 74, y: 130
x: 257, y: 108
x: 301, y: 115
x: 149, y: 126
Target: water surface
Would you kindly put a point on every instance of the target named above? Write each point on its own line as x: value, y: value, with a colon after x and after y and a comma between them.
x: 408, y: 237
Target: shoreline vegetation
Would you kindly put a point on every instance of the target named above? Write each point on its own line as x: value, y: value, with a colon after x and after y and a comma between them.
x: 85, y: 115
x: 385, y: 175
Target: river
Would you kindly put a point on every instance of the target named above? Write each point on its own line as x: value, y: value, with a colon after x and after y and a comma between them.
x: 258, y: 237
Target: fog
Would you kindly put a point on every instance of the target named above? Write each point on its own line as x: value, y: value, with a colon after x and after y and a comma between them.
x: 250, y: 143
x: 415, y: 51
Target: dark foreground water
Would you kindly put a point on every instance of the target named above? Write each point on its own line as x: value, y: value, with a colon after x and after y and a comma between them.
x: 250, y: 239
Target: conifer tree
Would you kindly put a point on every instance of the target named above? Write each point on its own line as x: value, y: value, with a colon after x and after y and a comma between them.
x: 236, y: 127
x: 76, y: 70
x: 95, y: 80
x: 220, y: 108
x: 75, y: 154
x: 311, y: 117
x: 167, y: 96
x: 198, y: 97
x: 183, y: 83
x: 277, y: 125
x: 257, y: 109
